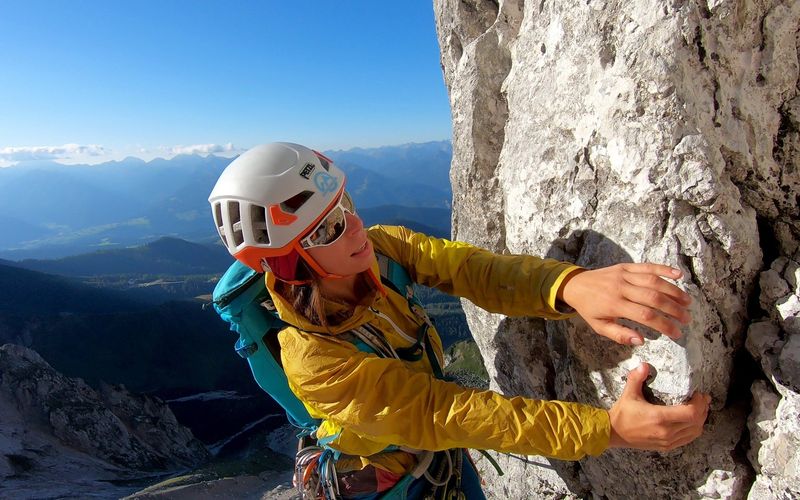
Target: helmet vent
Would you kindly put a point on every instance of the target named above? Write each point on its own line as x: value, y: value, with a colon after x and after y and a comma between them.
x: 235, y: 219
x: 294, y: 203
x: 219, y: 223
x: 326, y: 163
x: 258, y: 220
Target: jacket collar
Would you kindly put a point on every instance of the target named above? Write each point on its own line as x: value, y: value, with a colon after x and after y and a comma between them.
x: 288, y: 314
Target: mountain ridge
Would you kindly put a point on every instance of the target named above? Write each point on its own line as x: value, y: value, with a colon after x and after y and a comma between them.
x: 166, y: 255
x: 60, y: 210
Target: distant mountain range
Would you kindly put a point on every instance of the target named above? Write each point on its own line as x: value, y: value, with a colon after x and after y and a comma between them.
x: 23, y: 291
x: 428, y: 220
x: 58, y: 210
x: 99, y: 334
x: 426, y: 166
x: 51, y: 210
x: 164, y: 256
x: 168, y: 256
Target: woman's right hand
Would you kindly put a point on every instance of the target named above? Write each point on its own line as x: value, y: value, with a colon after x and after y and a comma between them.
x: 635, y: 423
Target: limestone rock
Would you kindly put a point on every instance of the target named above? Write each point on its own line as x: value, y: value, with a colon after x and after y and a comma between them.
x: 788, y: 309
x: 792, y: 276
x: 764, y: 344
x: 773, y: 287
x: 58, y: 431
x: 776, y: 343
x: 629, y: 470
x: 140, y: 435
x: 774, y: 428
x: 774, y: 423
x: 245, y: 487
x: 523, y: 475
x: 789, y: 363
x: 607, y: 131
x: 151, y: 421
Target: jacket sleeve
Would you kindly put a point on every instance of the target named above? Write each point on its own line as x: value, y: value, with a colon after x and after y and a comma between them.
x: 385, y: 400
x: 514, y: 285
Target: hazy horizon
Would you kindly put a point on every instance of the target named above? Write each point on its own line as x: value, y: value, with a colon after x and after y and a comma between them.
x: 223, y: 154
x: 96, y: 81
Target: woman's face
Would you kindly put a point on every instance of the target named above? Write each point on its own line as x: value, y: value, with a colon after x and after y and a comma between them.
x: 350, y: 254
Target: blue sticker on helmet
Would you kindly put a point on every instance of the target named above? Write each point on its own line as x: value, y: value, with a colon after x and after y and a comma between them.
x: 326, y: 183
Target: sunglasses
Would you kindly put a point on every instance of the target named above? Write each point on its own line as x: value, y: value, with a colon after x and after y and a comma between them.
x: 332, y: 226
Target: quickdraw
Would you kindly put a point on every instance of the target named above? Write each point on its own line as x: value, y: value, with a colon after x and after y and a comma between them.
x: 446, y: 479
x: 315, y: 473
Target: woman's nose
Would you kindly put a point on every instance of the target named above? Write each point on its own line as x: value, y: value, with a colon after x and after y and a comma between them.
x: 354, y: 223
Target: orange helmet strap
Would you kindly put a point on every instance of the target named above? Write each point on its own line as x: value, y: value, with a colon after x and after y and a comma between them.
x: 308, y: 259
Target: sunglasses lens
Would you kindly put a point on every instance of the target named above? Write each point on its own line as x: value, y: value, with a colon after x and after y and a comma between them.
x: 347, y: 203
x: 332, y: 226
x: 330, y: 229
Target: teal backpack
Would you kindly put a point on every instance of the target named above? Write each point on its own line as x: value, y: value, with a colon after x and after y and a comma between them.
x: 242, y: 299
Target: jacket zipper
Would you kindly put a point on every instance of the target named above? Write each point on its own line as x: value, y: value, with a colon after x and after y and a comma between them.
x: 396, y: 328
x: 402, y: 334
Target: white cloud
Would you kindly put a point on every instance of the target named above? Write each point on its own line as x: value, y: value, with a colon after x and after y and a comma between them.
x: 202, y: 149
x: 23, y: 153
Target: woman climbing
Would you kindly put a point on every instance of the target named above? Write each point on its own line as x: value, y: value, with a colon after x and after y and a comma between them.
x: 366, y: 361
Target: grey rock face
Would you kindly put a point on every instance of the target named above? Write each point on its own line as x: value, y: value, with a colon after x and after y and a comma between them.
x: 606, y: 131
x: 59, y: 429
x: 774, y: 423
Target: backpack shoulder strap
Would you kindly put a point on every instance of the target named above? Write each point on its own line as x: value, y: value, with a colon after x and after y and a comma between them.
x: 396, y: 277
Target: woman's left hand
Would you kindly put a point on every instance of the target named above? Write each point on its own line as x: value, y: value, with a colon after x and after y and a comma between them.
x: 631, y: 291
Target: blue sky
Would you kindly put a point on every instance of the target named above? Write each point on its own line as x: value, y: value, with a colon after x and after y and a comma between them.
x: 93, y: 80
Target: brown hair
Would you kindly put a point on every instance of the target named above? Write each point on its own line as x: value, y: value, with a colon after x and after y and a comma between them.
x: 307, y: 299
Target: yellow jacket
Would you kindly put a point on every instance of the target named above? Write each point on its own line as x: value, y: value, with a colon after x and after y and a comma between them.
x: 368, y: 403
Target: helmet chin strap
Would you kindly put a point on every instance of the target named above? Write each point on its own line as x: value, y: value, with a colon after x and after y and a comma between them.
x: 322, y: 273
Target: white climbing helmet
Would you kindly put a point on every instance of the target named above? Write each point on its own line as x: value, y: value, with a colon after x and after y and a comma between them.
x: 270, y: 197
